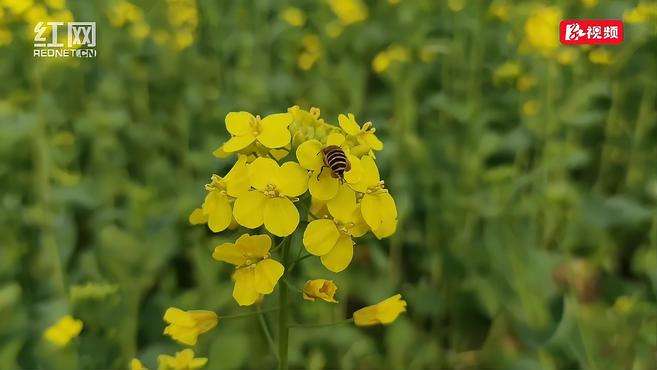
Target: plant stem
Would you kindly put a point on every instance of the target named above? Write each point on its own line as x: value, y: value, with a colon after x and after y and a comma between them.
x: 265, y: 329
x: 283, y: 330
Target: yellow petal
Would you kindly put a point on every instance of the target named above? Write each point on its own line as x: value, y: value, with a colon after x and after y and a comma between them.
x: 292, y: 179
x: 179, y: 317
x: 373, y: 141
x: 198, y: 363
x: 184, y: 335
x: 309, y: 154
x: 267, y: 273
x: 248, y: 209
x: 342, y: 206
x: 320, y: 237
x: 197, y: 217
x: 253, y: 246
x: 228, y: 252
x: 371, y: 207
x: 340, y: 256
x: 239, y: 123
x: 236, y: 143
x: 389, y: 309
x: 354, y: 175
x: 221, y: 153
x: 281, y: 217
x: 325, y: 187
x: 273, y: 130
x: 205, y: 320
x: 320, y: 288
x: 263, y: 171
x: 370, y: 175
x: 237, y: 182
x: 349, y: 124
x: 217, y: 209
x: 334, y: 138
x: 244, y: 291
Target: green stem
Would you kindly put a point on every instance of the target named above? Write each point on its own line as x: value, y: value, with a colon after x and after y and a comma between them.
x: 265, y: 329
x: 283, y: 331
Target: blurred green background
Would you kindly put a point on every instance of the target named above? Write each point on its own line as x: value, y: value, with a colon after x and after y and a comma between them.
x: 525, y: 175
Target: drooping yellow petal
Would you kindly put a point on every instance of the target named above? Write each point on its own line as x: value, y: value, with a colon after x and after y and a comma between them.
x: 205, y: 320
x: 184, y: 335
x: 320, y: 237
x: 281, y: 217
x: 324, y: 186
x: 228, y: 252
x: 340, y: 256
x: 372, y: 141
x: 348, y: 124
x: 342, y: 206
x: 244, y: 291
x: 354, y: 175
x: 320, y: 289
x: 179, y: 317
x: 334, y: 138
x: 262, y: 172
x: 273, y: 130
x: 239, y: 123
x: 237, y: 179
x: 236, y: 143
x: 309, y: 154
x: 197, y: 217
x: 383, y: 312
x: 253, y: 246
x: 198, y: 363
x: 267, y: 273
x: 292, y: 179
x: 248, y: 209
x: 217, y: 209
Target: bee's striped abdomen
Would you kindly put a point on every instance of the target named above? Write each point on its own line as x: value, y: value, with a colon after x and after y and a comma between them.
x: 336, y: 160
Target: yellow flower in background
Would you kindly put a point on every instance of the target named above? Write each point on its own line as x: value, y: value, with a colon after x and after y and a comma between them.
x: 530, y: 108
x: 124, y: 12
x: 245, y: 129
x: 183, y: 17
x: 386, y: 58
x: 269, y: 202
x: 17, y: 7
x: 186, y: 326
x: 590, y: 3
x: 542, y: 29
x: 642, y: 13
x: 56, y: 4
x: 322, y: 184
x: 255, y: 272
x: 63, y: 331
x: 349, y: 11
x: 312, y: 51
x: 525, y: 83
x: 331, y: 238
x: 600, y: 56
x: 333, y: 29
x: 507, y: 71
x: 567, y: 56
x: 500, y: 10
x: 293, y: 16
x: 383, y: 312
x: 216, y: 210
x: 320, y: 289
x: 5, y: 36
x: 135, y: 364
x: 183, y: 360
x: 456, y: 5
x: 377, y: 205
x: 365, y: 135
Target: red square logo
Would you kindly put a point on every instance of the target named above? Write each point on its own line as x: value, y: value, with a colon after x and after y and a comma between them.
x: 591, y: 31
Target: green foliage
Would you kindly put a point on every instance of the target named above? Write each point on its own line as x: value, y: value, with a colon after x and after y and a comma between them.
x: 528, y: 219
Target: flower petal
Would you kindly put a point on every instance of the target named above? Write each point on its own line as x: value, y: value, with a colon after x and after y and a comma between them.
x: 228, y: 252
x: 292, y: 179
x: 373, y: 141
x: 273, y: 130
x: 237, y: 179
x: 320, y: 237
x: 370, y: 176
x: 197, y: 217
x: 281, y: 217
x: 247, y: 209
x: 340, y: 256
x: 179, y: 317
x: 342, y: 206
x: 239, y: 123
x: 354, y: 175
x: 244, y: 291
x: 262, y: 172
x: 253, y: 246
x: 217, y: 209
x: 267, y: 273
x: 334, y: 138
x: 236, y: 143
x: 324, y: 186
x: 370, y: 209
x: 309, y: 154
x: 349, y: 124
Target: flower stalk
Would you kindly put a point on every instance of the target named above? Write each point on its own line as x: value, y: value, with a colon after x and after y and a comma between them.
x: 283, y: 303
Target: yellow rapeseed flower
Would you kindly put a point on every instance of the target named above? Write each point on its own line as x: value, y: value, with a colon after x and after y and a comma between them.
x: 590, y: 3
x: 349, y: 11
x: 293, y: 16
x: 65, y: 329
x: 135, y: 364
x: 642, y: 13
x: 601, y: 56
x: 542, y: 29
x: 377, y: 205
x: 386, y: 58
x: 246, y: 129
x: 269, y: 202
x: 507, y: 71
x: 255, y: 272
x: 525, y: 82
x: 530, y: 108
x: 312, y: 51
x: 183, y: 360
x: 456, y: 5
x: 320, y: 289
x: 567, y: 56
x: 331, y: 238
x: 383, y: 312
x: 186, y: 326
x: 500, y: 10
x: 365, y: 136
